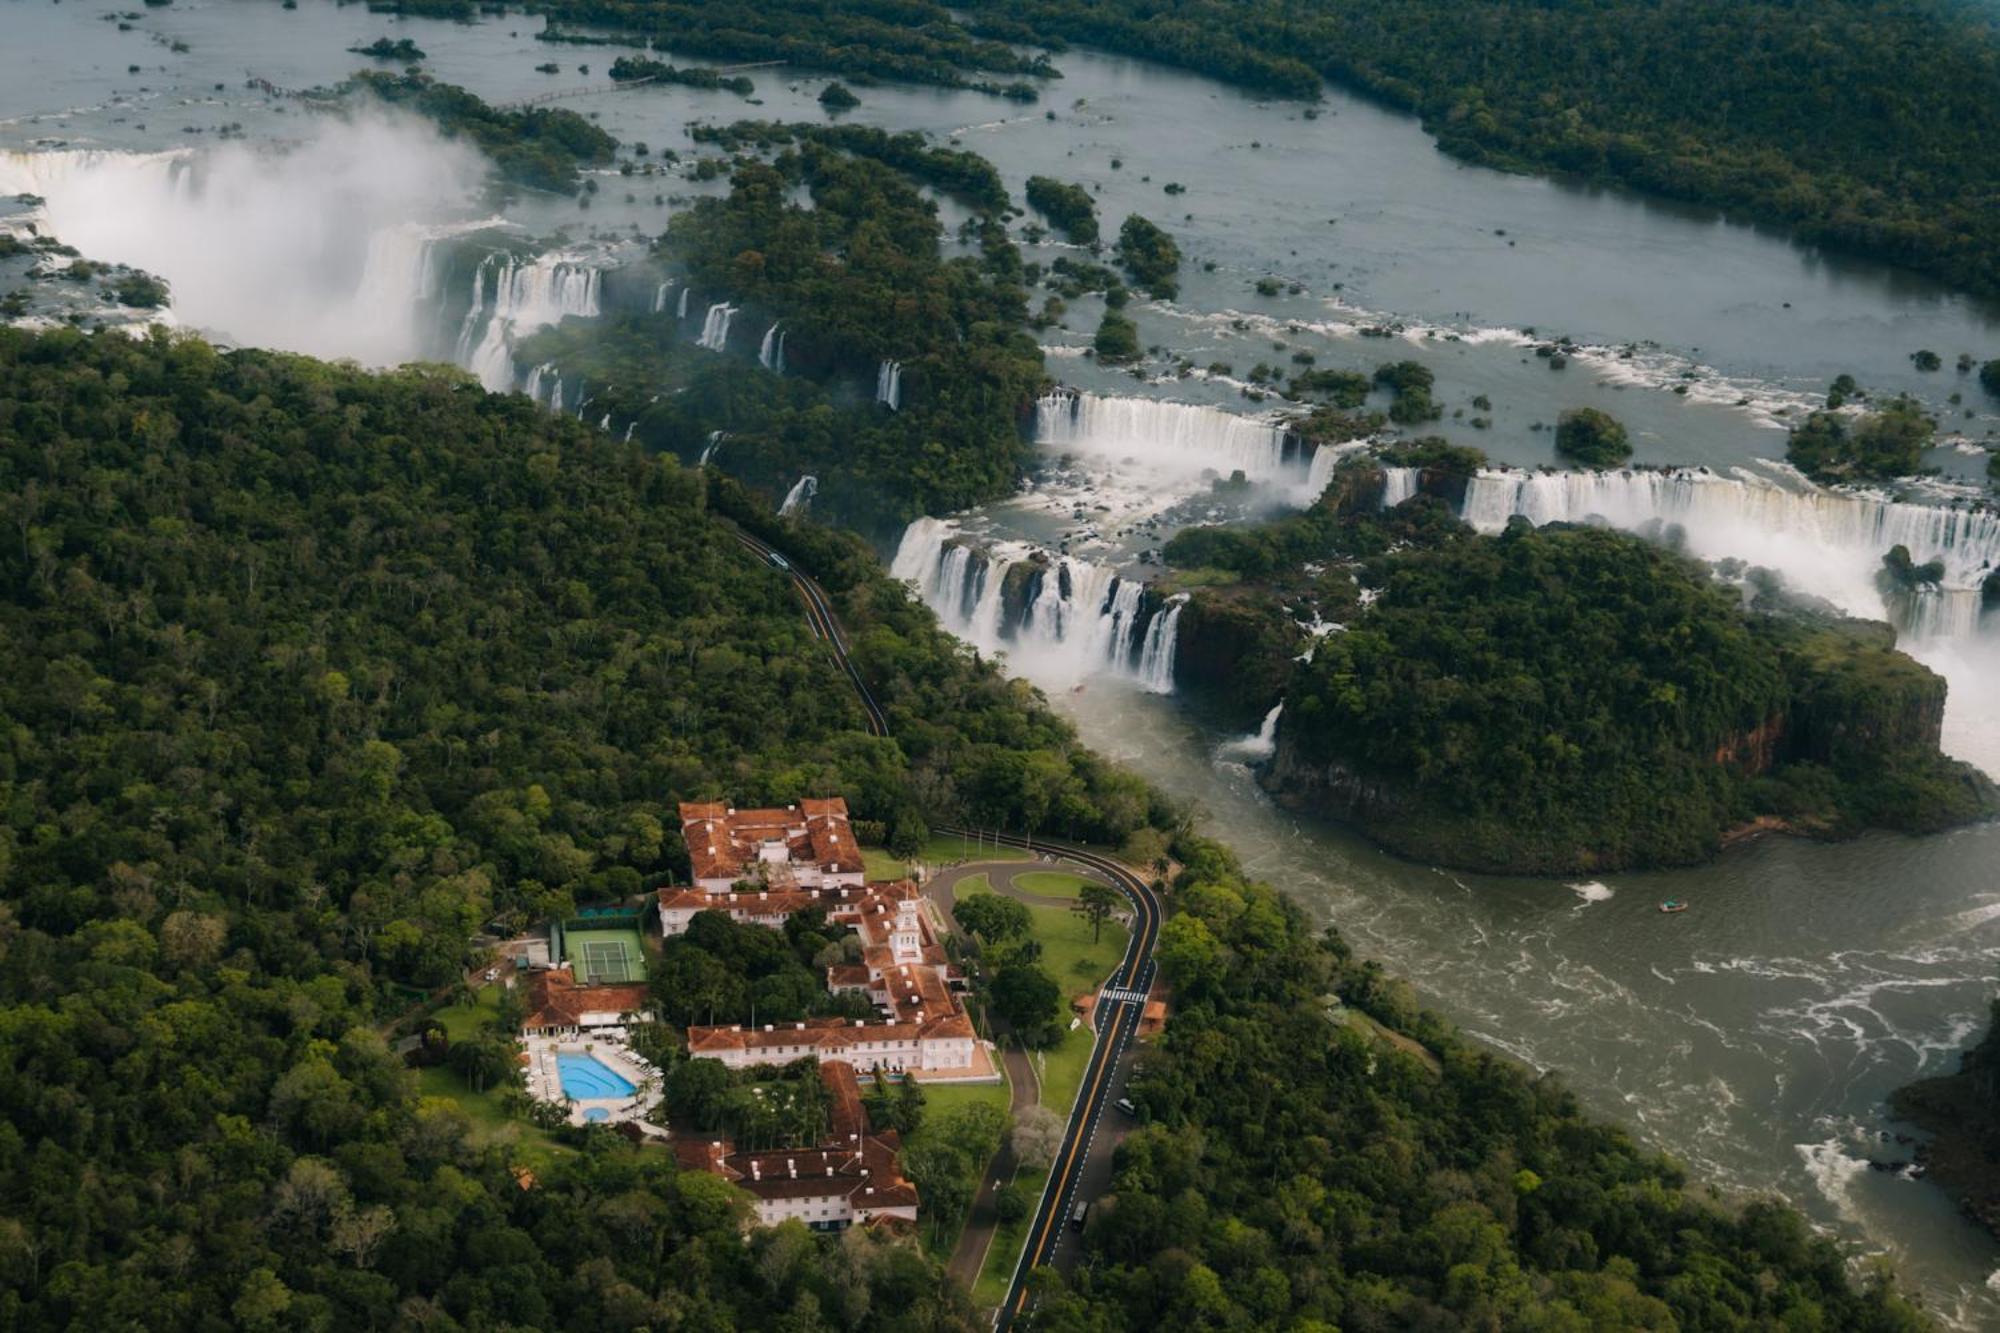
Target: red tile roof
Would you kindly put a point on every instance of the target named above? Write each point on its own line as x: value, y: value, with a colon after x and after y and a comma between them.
x: 555, y: 1000
x: 723, y: 842
x: 854, y: 1164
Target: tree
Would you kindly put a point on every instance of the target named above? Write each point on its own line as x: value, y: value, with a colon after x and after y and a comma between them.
x: 1191, y: 958
x: 837, y: 96
x: 1150, y: 256
x: 992, y: 917
x: 1097, y: 902
x: 1027, y: 998
x: 1592, y: 437
x: 1117, y: 339
x: 1037, y: 1137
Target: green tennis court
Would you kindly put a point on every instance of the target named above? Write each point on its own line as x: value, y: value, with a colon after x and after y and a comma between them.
x: 604, y: 957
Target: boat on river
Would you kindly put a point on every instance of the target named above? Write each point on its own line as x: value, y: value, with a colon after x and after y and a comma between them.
x: 1673, y: 905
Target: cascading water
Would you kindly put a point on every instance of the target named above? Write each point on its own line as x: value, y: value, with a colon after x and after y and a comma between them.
x: 526, y: 296
x: 1256, y: 748
x: 801, y: 494
x: 1058, y: 619
x: 1176, y: 438
x: 660, y: 296
x: 630, y: 426
x: 1399, y: 484
x: 771, y: 352
x: 715, y: 329
x: 1156, y: 656
x: 889, y: 385
x: 537, y: 377
x: 681, y: 310
x: 715, y: 437
x: 1827, y: 544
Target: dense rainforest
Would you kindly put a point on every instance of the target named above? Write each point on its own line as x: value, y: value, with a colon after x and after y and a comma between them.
x: 1867, y: 127
x: 855, y: 280
x: 1321, y: 1154
x: 308, y: 673
x: 1557, y: 699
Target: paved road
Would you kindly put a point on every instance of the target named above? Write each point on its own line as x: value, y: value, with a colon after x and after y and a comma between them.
x: 1116, y: 1016
x: 1117, y: 1020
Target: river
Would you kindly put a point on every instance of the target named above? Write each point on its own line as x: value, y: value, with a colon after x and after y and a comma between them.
x: 1755, y: 1036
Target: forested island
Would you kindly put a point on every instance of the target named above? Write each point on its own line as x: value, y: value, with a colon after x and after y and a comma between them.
x: 1555, y: 700
x: 309, y: 671
x: 540, y: 147
x: 1960, y: 1112
x: 855, y: 281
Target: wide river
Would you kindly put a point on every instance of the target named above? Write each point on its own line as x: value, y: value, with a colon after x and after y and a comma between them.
x: 1753, y: 1037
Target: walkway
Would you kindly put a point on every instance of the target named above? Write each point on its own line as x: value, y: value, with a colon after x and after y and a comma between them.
x: 983, y: 1221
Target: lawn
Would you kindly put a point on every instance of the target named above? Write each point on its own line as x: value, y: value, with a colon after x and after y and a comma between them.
x: 1079, y: 965
x: 464, y: 1020
x: 1050, y: 883
x: 490, y: 1122
x: 945, y: 849
x: 879, y: 865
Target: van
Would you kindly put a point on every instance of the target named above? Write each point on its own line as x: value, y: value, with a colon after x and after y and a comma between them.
x: 1078, y: 1213
x: 1125, y: 1104
x: 780, y: 561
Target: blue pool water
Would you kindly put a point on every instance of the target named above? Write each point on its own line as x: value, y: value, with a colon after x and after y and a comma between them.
x: 596, y: 1115
x: 586, y: 1076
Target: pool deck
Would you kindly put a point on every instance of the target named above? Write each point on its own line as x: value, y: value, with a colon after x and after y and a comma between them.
x: 607, y: 1047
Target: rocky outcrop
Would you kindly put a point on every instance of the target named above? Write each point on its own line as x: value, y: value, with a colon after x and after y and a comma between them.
x: 1235, y: 651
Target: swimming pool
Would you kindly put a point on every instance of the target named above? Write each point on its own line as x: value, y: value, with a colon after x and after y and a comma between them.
x: 586, y: 1076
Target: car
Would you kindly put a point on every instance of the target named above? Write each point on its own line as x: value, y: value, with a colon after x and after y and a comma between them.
x: 1125, y: 1104
x: 780, y: 561
x: 493, y: 974
x: 1078, y: 1213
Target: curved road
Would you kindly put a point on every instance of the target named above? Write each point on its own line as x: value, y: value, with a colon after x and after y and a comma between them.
x: 1116, y: 1015
x: 1117, y: 1018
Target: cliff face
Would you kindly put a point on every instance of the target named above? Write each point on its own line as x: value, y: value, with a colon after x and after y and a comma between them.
x: 1236, y: 649
x: 1961, y: 1113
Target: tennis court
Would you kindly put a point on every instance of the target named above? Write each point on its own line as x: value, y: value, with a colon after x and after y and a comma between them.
x: 604, y: 957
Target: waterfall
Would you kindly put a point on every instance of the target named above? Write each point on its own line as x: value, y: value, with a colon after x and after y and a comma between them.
x: 1156, y: 657
x: 527, y: 296
x: 681, y: 312
x: 1059, y: 620
x: 771, y: 353
x: 889, y: 385
x: 630, y: 426
x: 1398, y: 485
x: 461, y: 352
x: 660, y: 296
x: 605, y: 423
x: 715, y: 329
x: 1826, y: 544
x: 533, y: 388
x: 799, y: 496
x: 1259, y: 746
x: 714, y: 438
x: 1177, y: 438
